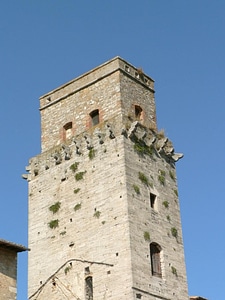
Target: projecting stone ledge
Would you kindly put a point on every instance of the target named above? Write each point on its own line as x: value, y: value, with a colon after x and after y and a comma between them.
x: 153, y: 140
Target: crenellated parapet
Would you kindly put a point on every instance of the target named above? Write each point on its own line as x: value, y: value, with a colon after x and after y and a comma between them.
x: 145, y: 142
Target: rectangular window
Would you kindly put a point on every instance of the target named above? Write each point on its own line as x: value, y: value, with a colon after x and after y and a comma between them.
x: 94, y: 117
x: 153, y: 201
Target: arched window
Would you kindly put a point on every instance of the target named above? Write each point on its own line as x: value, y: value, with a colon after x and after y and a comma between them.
x: 67, y: 130
x: 94, y: 117
x: 155, y: 253
x: 138, y: 113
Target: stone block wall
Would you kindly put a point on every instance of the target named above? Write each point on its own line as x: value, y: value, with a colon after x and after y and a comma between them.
x: 90, y: 214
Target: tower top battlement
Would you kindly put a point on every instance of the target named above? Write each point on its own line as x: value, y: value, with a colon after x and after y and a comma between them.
x: 94, y: 75
x: 115, y: 90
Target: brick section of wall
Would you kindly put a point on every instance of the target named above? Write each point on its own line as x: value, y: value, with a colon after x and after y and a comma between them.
x: 97, y: 89
x: 8, y: 272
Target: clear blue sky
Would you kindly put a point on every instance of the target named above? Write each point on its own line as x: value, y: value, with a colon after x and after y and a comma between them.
x: 181, y: 44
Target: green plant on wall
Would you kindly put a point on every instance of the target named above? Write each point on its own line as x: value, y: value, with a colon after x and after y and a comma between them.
x: 77, y: 206
x: 142, y: 149
x: 97, y: 214
x: 91, y: 153
x: 67, y: 269
x: 147, y: 236
x: 55, y: 207
x: 143, y: 178
x: 174, y: 232
x: 176, y: 192
x: 74, y: 166
x: 76, y: 190
x: 80, y: 175
x: 136, y: 189
x: 53, y: 224
x: 161, y: 177
x: 174, y: 270
x: 172, y: 176
x: 166, y: 204
x: 63, y: 233
x: 168, y: 218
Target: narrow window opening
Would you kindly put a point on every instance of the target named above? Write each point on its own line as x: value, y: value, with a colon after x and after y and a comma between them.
x: 88, y: 288
x: 127, y: 69
x: 153, y: 201
x: 146, y: 81
x: 67, y: 130
x: 137, y: 75
x: 138, y: 113
x: 155, y: 253
x: 94, y: 117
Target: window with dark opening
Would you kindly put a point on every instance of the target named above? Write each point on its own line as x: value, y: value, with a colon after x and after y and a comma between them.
x: 67, y: 130
x: 88, y: 288
x: 94, y: 117
x: 138, y: 113
x: 155, y: 251
x: 153, y: 201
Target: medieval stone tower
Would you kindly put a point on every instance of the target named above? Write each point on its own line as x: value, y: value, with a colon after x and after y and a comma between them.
x: 104, y: 218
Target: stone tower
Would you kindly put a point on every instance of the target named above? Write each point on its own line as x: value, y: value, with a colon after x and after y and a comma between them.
x: 104, y: 218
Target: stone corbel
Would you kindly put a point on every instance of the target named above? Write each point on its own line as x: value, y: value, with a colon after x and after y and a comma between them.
x: 161, y: 143
x: 58, y: 158
x: 100, y: 136
x: 177, y: 156
x: 110, y: 132
x: 88, y: 142
x: 66, y: 152
x: 132, y: 129
x: 78, y: 147
x: 150, y: 141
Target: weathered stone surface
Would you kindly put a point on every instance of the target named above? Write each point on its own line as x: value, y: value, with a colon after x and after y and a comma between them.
x: 94, y: 175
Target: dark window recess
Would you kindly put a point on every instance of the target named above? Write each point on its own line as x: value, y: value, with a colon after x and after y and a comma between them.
x: 138, y: 112
x: 94, y: 117
x: 155, y: 251
x: 88, y: 288
x: 67, y: 130
x: 152, y: 200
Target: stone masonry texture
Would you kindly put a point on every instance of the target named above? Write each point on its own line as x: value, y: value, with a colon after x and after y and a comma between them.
x: 8, y: 271
x: 90, y: 214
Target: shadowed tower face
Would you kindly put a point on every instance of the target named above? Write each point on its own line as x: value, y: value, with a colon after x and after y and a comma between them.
x: 104, y: 219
